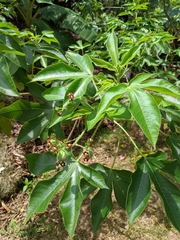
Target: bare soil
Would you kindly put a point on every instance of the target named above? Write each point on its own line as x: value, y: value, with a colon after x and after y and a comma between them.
x: 151, y: 225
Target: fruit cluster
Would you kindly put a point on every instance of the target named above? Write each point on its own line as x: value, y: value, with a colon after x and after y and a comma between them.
x: 60, y: 149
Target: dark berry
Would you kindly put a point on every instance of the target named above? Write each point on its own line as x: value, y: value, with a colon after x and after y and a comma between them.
x: 86, y: 159
x: 62, y: 164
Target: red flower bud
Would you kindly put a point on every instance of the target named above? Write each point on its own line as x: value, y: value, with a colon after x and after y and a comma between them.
x: 69, y: 144
x: 86, y: 154
x: 71, y: 96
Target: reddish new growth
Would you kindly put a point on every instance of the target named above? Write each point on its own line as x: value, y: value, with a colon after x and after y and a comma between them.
x: 71, y: 96
x: 90, y: 140
x: 86, y: 154
x: 69, y: 144
x: 86, y: 159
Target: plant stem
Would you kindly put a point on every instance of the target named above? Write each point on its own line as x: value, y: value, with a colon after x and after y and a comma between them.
x: 116, y: 153
x: 94, y: 133
x: 136, y: 147
x: 80, y: 136
x: 72, y: 130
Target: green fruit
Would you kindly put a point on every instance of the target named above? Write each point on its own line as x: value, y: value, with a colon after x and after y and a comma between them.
x: 62, y: 154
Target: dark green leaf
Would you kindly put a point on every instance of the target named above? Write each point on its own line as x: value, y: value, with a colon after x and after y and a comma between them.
x: 101, y: 205
x: 173, y: 141
x: 32, y: 129
x: 71, y: 201
x: 10, y: 42
x: 86, y: 188
x: 92, y: 176
x: 172, y: 168
x: 46, y: 189
x: 138, y: 192
x: 7, y: 85
x: 121, y: 182
x: 22, y: 110
x: 170, y: 197
x: 40, y: 163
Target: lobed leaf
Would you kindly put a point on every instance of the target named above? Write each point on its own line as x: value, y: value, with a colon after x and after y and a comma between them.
x: 46, y: 189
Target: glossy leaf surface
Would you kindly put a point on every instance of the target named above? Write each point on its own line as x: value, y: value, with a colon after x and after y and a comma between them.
x: 146, y: 113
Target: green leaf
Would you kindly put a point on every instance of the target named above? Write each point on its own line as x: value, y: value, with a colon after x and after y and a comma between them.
x: 49, y: 51
x: 58, y: 71
x: 54, y: 93
x: 101, y: 205
x: 44, y: 1
x: 103, y: 64
x: 112, y: 47
x: 5, y: 126
x: 37, y: 90
x: 170, y: 197
x: 32, y: 129
x: 7, y: 85
x: 139, y: 191
x: 83, y: 62
x: 40, y: 163
x: 172, y: 168
x: 118, y: 110
x: 22, y: 110
x: 92, y: 176
x: 66, y: 113
x: 71, y: 201
x: 121, y: 182
x: 159, y: 85
x: 108, y: 98
x: 86, y: 188
x: 173, y: 141
x: 129, y: 55
x: 78, y: 87
x: 140, y: 78
x: 146, y: 113
x: 69, y: 20
x: 46, y: 189
x: 4, y: 48
x: 10, y: 42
